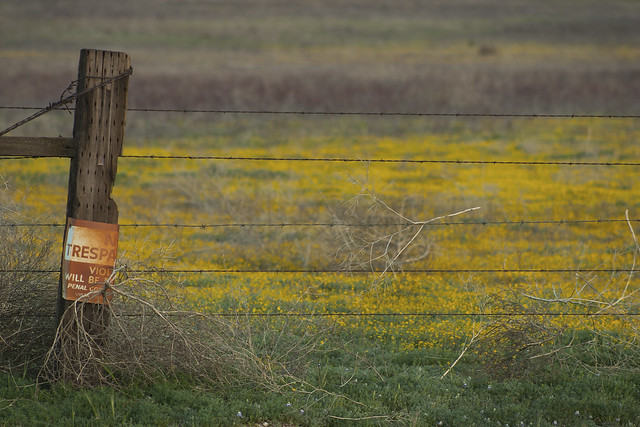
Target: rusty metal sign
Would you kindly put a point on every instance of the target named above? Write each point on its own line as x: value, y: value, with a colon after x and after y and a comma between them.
x: 90, y: 250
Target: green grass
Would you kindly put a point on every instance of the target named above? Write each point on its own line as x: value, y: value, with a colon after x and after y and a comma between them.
x: 392, y: 386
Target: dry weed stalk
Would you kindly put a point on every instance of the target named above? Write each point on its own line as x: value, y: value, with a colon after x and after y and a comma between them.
x: 476, y: 334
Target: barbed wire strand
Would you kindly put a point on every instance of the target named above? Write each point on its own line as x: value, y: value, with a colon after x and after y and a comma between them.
x: 65, y: 101
x: 363, y: 113
x: 205, y: 226
x: 382, y: 160
x: 352, y: 271
x: 61, y: 103
x: 360, y: 160
x: 351, y: 314
x: 377, y: 271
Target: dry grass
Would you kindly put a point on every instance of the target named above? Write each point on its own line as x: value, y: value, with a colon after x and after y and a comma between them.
x: 145, y: 333
x: 27, y: 298
x: 151, y: 336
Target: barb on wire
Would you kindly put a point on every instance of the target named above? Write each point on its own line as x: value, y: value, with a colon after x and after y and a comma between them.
x: 64, y: 101
x: 71, y: 89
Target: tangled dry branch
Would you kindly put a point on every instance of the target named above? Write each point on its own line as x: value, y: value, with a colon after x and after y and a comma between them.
x: 596, y: 327
x: 146, y: 333
x: 375, y: 248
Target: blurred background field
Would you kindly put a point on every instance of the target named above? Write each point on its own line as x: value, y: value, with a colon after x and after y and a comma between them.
x: 330, y: 56
x: 461, y: 56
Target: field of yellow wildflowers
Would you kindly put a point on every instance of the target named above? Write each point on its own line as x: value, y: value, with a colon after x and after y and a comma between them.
x: 257, y: 216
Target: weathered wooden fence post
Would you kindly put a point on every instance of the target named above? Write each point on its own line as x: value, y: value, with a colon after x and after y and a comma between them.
x: 98, y: 134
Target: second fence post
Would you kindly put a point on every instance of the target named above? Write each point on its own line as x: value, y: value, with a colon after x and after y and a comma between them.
x: 98, y: 134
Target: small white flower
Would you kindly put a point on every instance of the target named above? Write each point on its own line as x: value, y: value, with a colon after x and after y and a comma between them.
x: 302, y: 411
x: 489, y: 387
x: 555, y: 423
x: 576, y: 413
x: 239, y: 414
x: 288, y: 403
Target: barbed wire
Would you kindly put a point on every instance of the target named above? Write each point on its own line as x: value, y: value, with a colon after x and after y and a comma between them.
x: 389, y: 113
x: 58, y: 106
x: 379, y: 271
x: 351, y: 271
x: 205, y: 226
x: 25, y: 157
x: 358, y: 160
x: 374, y: 160
x: 363, y: 113
x: 352, y: 314
x: 61, y: 104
